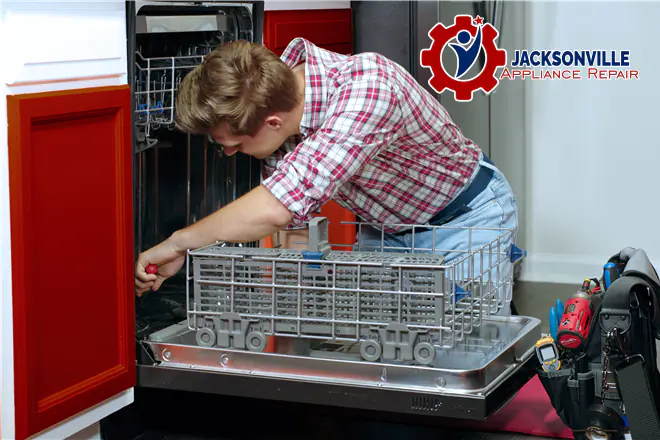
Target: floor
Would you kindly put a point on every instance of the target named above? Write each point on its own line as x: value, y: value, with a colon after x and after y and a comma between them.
x: 166, y: 415
x: 184, y: 416
x: 436, y: 434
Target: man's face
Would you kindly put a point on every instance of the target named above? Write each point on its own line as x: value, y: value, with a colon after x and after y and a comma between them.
x: 267, y: 140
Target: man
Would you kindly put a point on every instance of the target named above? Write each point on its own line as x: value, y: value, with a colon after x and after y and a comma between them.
x: 357, y: 129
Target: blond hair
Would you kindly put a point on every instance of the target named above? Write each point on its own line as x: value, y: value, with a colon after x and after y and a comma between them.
x: 239, y: 84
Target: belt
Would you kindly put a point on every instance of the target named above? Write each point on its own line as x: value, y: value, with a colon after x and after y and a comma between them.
x: 459, y: 205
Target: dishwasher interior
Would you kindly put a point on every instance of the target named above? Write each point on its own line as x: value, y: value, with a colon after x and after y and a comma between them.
x: 179, y: 178
x: 243, y: 320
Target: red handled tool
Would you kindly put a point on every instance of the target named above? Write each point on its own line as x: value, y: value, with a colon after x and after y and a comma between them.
x: 152, y: 268
x: 575, y: 322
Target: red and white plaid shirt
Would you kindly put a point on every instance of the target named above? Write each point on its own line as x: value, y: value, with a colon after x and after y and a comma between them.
x: 373, y: 140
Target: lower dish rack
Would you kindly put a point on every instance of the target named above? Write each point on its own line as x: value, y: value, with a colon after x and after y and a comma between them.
x: 360, y: 322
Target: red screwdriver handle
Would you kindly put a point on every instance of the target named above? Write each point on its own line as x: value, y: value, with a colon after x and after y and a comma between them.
x: 152, y: 268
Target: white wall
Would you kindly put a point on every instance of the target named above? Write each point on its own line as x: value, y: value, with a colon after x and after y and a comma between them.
x: 592, y: 148
x: 6, y: 330
x: 508, y: 115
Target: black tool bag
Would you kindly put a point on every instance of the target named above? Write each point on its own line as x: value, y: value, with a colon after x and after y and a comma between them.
x: 614, y: 375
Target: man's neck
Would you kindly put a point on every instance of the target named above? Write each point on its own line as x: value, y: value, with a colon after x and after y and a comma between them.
x: 297, y: 113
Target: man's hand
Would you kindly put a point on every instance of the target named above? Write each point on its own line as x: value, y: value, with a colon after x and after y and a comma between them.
x: 254, y: 216
x: 166, y: 258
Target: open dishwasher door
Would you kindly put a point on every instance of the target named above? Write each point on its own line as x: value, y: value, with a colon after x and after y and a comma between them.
x: 403, y: 331
x: 365, y: 329
x: 178, y: 178
x: 472, y: 381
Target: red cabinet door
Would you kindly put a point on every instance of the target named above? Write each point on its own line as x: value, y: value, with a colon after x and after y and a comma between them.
x: 70, y: 162
x: 331, y: 29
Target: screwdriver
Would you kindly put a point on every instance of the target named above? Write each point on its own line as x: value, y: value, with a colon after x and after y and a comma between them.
x: 150, y: 269
x: 610, y: 274
x: 585, y: 285
x: 556, y: 312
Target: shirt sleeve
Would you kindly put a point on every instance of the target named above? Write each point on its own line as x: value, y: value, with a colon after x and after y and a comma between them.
x: 270, y: 163
x: 362, y: 118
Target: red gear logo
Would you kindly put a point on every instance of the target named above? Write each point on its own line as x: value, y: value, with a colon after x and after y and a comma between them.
x: 441, y: 80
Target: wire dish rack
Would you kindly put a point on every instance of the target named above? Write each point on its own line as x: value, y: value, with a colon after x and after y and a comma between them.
x: 161, y: 63
x: 156, y: 83
x: 398, y: 304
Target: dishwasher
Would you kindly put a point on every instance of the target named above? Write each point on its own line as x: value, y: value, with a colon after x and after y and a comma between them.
x: 394, y: 330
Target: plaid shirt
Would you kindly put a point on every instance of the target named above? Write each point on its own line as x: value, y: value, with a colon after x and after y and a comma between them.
x: 372, y: 139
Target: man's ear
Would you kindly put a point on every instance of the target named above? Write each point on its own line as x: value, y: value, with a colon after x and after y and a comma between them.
x: 274, y: 122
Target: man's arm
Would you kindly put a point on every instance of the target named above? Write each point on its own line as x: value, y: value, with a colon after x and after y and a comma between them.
x: 254, y: 216
x: 361, y: 119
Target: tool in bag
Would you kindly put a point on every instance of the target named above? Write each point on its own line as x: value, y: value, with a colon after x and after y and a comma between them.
x: 609, y: 376
x: 575, y: 321
x: 556, y: 312
x: 548, y: 354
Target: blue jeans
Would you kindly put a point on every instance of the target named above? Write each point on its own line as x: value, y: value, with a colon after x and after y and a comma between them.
x: 475, y: 245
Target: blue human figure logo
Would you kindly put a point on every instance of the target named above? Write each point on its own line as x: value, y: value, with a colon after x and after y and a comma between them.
x: 466, y: 56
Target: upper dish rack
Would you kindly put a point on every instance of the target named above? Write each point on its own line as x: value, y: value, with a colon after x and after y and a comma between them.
x: 156, y: 83
x: 170, y: 42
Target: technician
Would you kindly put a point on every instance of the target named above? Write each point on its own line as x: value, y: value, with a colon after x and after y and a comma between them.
x: 355, y: 129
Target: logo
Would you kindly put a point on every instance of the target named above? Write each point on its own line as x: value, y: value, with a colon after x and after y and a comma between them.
x: 472, y: 38
x: 570, y: 64
x: 570, y: 342
x: 473, y: 44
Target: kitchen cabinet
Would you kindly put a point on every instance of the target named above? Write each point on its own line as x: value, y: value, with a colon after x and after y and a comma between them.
x: 67, y: 329
x: 292, y: 5
x: 70, y: 186
x: 327, y: 28
x: 66, y: 220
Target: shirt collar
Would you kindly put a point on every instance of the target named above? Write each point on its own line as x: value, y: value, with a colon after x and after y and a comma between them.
x: 315, y: 85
